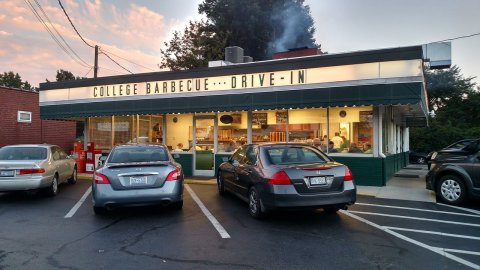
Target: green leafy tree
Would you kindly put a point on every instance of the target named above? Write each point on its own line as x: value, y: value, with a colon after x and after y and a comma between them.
x: 14, y: 80
x: 261, y: 27
x: 457, y: 106
x: 64, y: 75
x: 193, y: 47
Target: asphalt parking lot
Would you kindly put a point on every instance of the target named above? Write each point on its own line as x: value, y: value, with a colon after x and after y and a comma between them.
x: 213, y: 232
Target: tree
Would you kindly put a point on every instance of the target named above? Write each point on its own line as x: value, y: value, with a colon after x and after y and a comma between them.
x: 260, y: 27
x: 457, y: 106
x: 14, y: 80
x: 447, y: 85
x: 193, y: 48
x: 64, y: 75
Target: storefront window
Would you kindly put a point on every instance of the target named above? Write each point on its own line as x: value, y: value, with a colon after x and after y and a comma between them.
x: 100, y: 132
x: 308, y: 126
x: 150, y: 129
x: 232, y: 130
x: 351, y: 130
x: 269, y: 126
x: 179, y: 131
x: 124, y: 129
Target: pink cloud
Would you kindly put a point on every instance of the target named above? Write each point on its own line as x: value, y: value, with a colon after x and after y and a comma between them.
x: 135, y: 33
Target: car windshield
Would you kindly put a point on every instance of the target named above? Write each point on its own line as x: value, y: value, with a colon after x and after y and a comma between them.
x: 295, y: 155
x: 23, y: 153
x: 460, y: 144
x: 138, y: 154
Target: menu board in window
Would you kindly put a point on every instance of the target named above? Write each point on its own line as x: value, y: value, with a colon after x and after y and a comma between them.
x: 259, y: 119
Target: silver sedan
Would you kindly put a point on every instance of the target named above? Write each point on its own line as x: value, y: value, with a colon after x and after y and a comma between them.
x: 138, y: 174
x: 35, y: 166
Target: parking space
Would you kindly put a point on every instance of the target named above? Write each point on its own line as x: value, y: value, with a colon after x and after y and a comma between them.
x: 35, y: 233
x: 452, y: 232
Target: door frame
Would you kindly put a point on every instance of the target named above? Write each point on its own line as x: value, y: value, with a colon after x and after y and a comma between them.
x: 214, y: 117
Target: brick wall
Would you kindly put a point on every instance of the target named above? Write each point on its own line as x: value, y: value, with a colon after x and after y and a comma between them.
x: 61, y: 133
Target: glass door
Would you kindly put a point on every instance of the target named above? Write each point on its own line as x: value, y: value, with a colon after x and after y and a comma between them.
x: 204, y: 144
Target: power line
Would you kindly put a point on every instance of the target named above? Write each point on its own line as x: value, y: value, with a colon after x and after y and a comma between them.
x: 103, y: 52
x: 460, y: 37
x: 54, y: 28
x: 40, y: 19
x: 88, y: 72
x: 64, y: 11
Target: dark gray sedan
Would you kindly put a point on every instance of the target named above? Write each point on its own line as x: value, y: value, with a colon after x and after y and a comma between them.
x: 284, y: 175
x: 135, y: 175
x: 35, y: 166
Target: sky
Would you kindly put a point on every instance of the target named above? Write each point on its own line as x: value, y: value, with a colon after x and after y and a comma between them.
x: 133, y: 32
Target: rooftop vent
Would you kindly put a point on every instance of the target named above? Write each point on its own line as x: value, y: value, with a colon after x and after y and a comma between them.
x: 234, y: 54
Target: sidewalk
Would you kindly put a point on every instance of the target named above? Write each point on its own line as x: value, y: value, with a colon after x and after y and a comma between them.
x: 406, y: 184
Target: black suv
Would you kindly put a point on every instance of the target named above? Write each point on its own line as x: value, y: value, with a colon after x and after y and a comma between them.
x: 455, y: 173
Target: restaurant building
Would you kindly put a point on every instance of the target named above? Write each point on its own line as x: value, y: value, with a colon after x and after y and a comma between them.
x: 363, y: 102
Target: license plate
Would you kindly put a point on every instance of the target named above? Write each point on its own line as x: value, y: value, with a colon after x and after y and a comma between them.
x: 138, y: 180
x: 320, y: 180
x: 7, y: 173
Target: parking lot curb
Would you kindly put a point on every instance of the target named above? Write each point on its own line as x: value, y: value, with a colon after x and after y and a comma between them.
x: 201, y: 182
x: 84, y: 176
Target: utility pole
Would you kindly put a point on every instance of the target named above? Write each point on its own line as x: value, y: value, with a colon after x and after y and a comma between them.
x: 95, y: 67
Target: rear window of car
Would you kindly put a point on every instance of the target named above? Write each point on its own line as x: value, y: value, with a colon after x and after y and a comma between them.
x: 138, y: 154
x: 23, y: 153
x: 295, y: 155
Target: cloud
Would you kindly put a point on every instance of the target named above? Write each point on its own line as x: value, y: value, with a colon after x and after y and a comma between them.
x: 131, y: 31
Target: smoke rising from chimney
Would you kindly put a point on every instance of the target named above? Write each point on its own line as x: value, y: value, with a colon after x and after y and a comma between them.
x: 293, y: 27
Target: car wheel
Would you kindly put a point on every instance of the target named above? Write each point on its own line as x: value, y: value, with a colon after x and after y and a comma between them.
x: 99, y: 210
x: 451, y: 189
x: 220, y: 184
x: 421, y: 160
x: 254, y: 204
x: 52, y: 190
x: 177, y: 205
x: 73, y: 179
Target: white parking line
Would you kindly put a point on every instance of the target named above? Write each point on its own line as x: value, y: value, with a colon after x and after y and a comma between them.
x: 461, y: 208
x: 415, y: 242
x: 78, y: 204
x: 418, y: 209
x: 416, y: 218
x: 223, y: 233
x: 433, y: 232
x: 462, y: 251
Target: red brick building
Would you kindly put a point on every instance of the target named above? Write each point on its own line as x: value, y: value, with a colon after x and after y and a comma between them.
x: 20, y: 121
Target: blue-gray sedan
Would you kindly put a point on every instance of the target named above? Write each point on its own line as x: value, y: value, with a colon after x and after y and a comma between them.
x: 135, y: 175
x: 286, y: 175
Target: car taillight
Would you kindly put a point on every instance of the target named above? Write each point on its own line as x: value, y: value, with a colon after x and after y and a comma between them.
x: 174, y: 175
x: 100, y: 179
x: 30, y: 171
x: 280, y: 178
x: 348, y: 175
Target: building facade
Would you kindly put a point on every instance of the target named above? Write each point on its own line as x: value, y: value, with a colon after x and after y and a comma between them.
x: 20, y: 121
x: 355, y: 106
